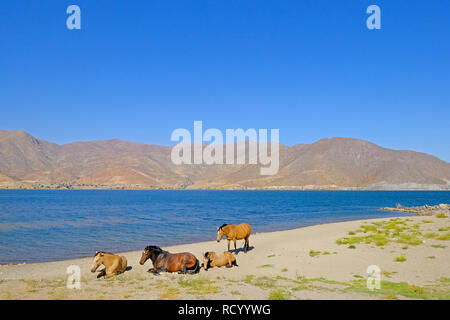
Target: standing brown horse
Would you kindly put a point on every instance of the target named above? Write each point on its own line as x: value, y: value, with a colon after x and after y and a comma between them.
x: 170, y: 262
x: 235, y: 232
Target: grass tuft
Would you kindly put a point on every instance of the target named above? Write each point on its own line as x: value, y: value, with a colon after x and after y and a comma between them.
x: 277, y: 295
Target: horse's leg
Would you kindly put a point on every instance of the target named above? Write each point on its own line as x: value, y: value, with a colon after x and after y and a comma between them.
x: 229, y: 262
x: 155, y: 271
x: 115, y: 269
x: 228, y: 244
x: 247, y: 243
x: 183, y: 268
x: 234, y: 240
x: 101, y: 273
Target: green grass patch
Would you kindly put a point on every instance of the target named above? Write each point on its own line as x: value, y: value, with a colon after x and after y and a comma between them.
x: 249, y: 278
x: 444, y: 236
x: 401, y: 258
x: 264, y: 282
x: 404, y: 289
x: 277, y: 295
x: 266, y: 266
x: 313, y: 253
x: 444, y: 280
x: 438, y: 246
x: 441, y: 215
x: 410, y: 238
x: 388, y: 274
x: 198, y: 286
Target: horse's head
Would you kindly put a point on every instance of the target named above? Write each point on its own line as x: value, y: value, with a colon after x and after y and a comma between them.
x: 98, y: 260
x: 150, y: 252
x: 207, y: 260
x: 220, y: 232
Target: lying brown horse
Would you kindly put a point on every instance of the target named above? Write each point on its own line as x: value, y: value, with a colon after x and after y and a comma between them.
x: 170, y: 262
x: 235, y: 232
x: 213, y: 259
x: 114, y: 264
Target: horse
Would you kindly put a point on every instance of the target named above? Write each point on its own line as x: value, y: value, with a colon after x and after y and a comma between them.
x: 235, y: 232
x: 213, y: 259
x: 114, y: 264
x: 170, y: 262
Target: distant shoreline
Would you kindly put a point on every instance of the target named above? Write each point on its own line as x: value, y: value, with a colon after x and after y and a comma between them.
x: 229, y: 189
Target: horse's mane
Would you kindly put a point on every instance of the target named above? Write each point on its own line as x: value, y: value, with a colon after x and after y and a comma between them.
x: 155, y: 249
x: 98, y: 252
x: 224, y: 225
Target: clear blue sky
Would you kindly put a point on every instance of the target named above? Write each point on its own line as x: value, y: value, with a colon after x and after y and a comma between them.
x: 137, y: 70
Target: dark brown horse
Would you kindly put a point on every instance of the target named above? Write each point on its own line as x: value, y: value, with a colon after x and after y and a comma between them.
x: 170, y: 262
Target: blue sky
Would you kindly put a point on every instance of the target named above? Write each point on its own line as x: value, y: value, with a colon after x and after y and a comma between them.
x: 137, y: 70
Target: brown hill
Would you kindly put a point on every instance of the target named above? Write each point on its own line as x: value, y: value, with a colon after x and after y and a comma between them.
x: 335, y: 163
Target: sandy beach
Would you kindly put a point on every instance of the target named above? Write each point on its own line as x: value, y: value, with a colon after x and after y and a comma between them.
x: 326, y: 261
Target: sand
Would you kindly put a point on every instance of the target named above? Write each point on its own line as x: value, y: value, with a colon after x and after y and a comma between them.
x: 304, y: 263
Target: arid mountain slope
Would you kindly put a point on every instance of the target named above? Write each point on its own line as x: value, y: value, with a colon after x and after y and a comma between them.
x: 336, y: 163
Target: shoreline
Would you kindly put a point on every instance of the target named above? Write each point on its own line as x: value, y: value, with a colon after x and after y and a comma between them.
x: 184, y: 244
x: 312, y: 257
x: 318, y: 188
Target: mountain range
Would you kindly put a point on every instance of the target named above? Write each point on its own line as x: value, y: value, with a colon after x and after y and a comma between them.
x: 330, y: 163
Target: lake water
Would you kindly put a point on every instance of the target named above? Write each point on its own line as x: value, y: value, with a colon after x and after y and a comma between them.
x: 45, y: 225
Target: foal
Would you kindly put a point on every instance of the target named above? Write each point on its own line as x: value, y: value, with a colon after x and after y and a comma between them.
x: 213, y: 259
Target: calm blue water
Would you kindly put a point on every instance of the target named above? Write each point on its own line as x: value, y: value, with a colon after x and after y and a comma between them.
x: 44, y: 225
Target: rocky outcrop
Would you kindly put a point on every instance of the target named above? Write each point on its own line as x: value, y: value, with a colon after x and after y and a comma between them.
x: 425, y: 210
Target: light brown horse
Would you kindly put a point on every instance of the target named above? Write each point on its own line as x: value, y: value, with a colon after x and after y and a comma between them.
x: 213, y: 259
x: 235, y: 232
x: 114, y: 264
x: 170, y: 262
